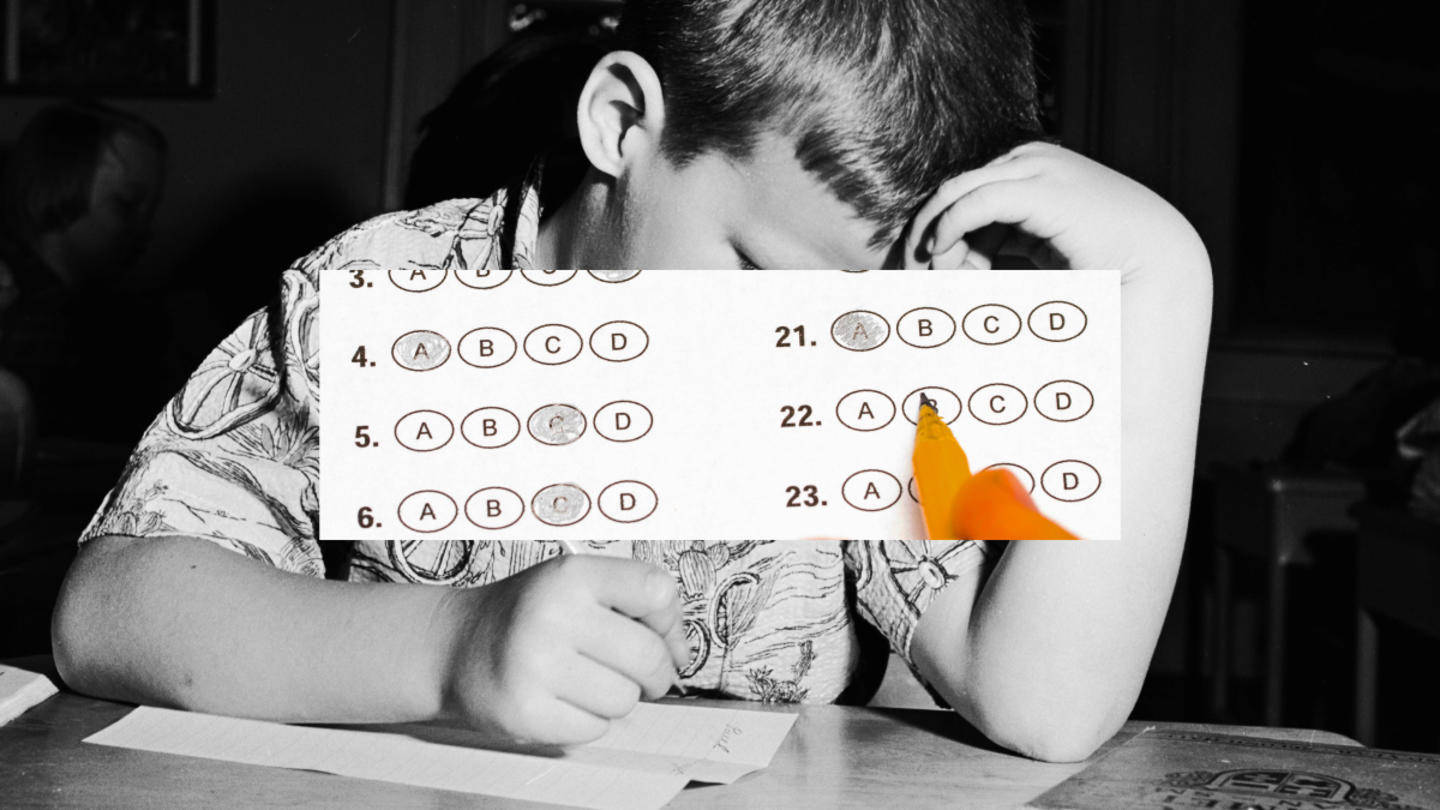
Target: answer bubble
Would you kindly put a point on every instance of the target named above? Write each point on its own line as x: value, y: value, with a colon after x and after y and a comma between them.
x: 865, y: 410
x: 619, y: 341
x: 871, y: 490
x: 1064, y: 401
x: 614, y: 276
x: 947, y: 404
x: 627, y: 501
x: 557, y: 424
x: 490, y: 428
x: 417, y: 279
x: 926, y: 327
x: 548, y: 278
x: 991, y: 324
x: 860, y: 331
x: 424, y: 431
x: 421, y: 350
x: 483, y: 278
x: 998, y: 404
x: 486, y: 347
x: 1057, y: 321
x: 1025, y: 476
x: 624, y: 421
x: 494, y: 508
x: 553, y: 344
x: 560, y: 505
x: 1070, y: 480
x: 427, y: 511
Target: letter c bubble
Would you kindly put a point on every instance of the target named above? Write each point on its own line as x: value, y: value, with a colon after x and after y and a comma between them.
x: 991, y: 324
x: 548, y: 278
x: 553, y: 344
x: 926, y: 327
x: 427, y: 511
x: 998, y: 404
x: 494, y: 508
x: 1024, y: 475
x: 560, y: 505
x: 423, y: 431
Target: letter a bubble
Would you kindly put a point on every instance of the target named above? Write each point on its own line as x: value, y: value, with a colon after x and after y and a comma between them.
x: 417, y: 279
x: 865, y: 410
x: 423, y: 431
x: 427, y: 511
x: 860, y: 331
x: 421, y: 350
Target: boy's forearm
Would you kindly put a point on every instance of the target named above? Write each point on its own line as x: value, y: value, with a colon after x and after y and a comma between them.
x: 182, y: 622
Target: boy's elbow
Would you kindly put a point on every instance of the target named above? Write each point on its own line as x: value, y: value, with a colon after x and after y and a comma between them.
x: 1051, y: 738
x: 1050, y: 728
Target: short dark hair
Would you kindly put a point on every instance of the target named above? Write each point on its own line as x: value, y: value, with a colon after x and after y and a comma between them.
x: 885, y: 98
x: 50, y: 170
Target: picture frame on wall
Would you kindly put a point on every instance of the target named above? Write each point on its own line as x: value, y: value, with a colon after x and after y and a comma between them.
x: 107, y: 47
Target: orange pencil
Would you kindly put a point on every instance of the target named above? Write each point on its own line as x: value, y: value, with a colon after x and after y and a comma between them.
x: 990, y: 505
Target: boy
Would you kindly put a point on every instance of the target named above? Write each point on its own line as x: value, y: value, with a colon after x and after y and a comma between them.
x: 736, y: 133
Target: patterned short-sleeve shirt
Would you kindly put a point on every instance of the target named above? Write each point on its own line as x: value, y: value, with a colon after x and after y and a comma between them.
x: 234, y: 459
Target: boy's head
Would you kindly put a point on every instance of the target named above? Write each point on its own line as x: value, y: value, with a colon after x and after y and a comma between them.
x: 798, y: 132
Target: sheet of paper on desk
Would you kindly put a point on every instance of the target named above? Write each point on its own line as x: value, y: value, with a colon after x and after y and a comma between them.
x: 1174, y: 769
x: 714, y: 405
x: 20, y: 690
x: 642, y: 762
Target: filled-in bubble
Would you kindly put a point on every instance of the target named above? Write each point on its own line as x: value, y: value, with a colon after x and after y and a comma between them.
x: 560, y: 504
x: 860, y: 331
x: 421, y: 350
x: 557, y: 424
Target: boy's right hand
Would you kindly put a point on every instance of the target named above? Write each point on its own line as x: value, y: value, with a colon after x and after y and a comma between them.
x: 552, y: 654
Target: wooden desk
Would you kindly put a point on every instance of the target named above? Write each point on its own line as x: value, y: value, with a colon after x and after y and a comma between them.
x: 835, y: 757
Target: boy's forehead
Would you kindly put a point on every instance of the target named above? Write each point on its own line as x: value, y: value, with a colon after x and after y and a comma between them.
x: 792, y: 211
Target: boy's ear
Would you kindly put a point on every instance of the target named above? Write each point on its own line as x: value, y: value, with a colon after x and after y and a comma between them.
x: 621, y: 112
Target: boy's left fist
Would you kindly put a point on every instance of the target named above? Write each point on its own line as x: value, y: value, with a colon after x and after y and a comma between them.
x: 1056, y: 207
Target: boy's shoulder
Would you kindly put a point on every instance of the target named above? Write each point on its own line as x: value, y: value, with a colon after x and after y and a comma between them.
x: 453, y: 234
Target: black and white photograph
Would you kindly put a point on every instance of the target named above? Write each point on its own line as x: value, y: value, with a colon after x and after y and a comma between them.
x: 1080, y: 450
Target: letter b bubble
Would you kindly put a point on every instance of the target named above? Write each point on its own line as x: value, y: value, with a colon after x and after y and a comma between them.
x: 494, y: 508
x: 486, y: 347
x: 926, y: 327
x: 489, y: 428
